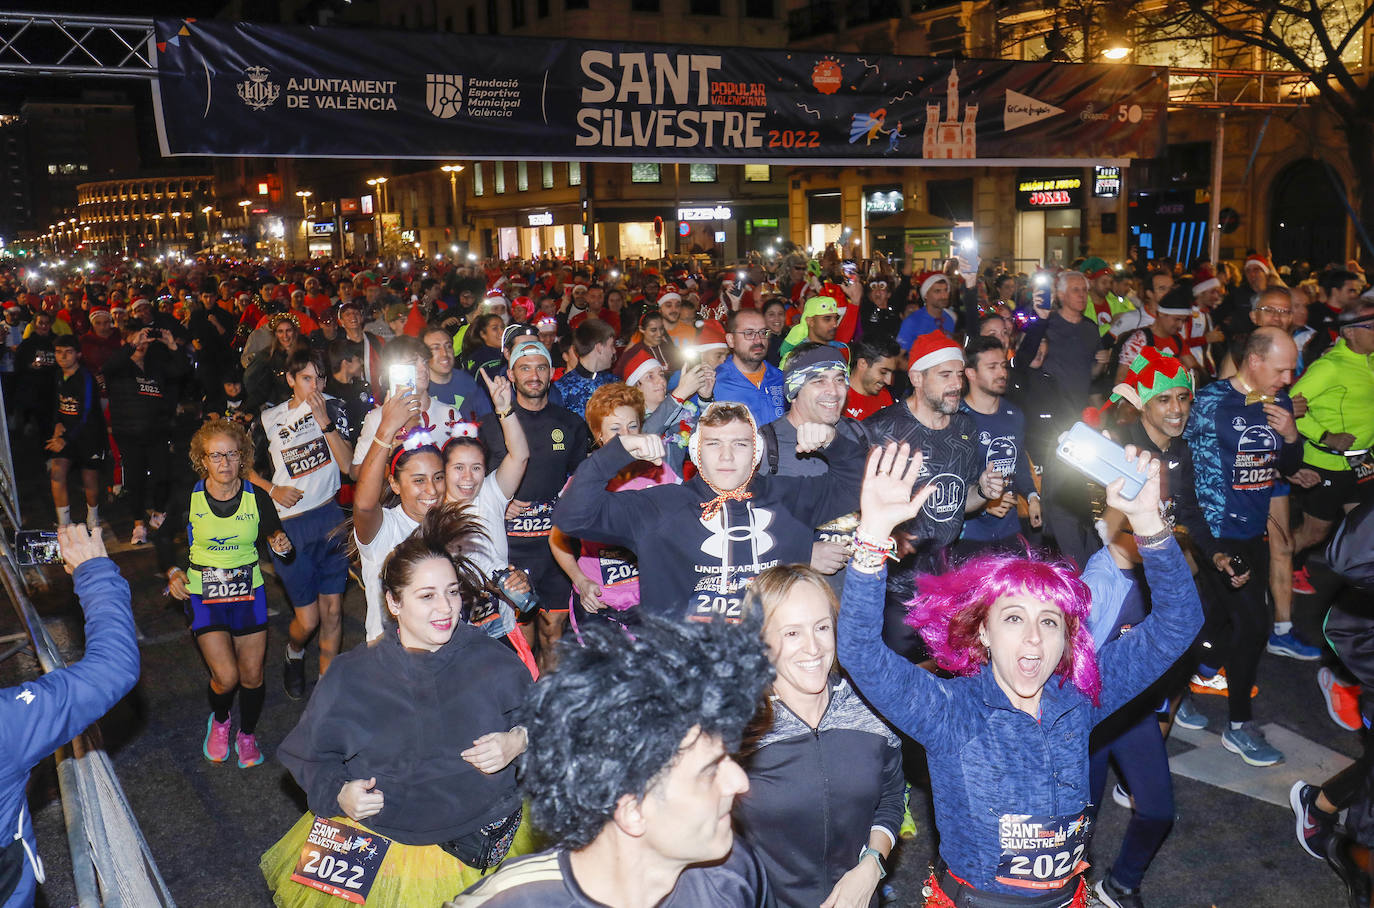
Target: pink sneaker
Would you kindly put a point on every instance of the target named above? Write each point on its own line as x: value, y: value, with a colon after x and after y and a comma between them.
x: 246, y: 746
x: 216, y: 747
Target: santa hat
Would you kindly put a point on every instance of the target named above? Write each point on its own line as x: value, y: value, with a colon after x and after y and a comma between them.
x: 640, y: 365
x: 930, y: 279
x: 521, y: 308
x: 711, y: 336
x: 1260, y: 261
x: 932, y: 349
x: 1204, y: 279
x: 669, y: 296
x: 100, y: 310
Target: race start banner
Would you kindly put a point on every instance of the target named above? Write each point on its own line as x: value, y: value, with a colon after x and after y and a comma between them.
x: 226, y: 88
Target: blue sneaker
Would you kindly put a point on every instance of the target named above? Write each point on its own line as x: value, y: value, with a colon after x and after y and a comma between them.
x: 1249, y: 743
x: 1187, y: 715
x: 1293, y: 646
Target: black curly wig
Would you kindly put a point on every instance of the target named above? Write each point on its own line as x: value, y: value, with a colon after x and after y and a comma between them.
x: 613, y: 717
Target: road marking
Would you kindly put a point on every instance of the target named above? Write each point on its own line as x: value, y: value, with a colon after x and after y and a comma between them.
x: 1213, y: 764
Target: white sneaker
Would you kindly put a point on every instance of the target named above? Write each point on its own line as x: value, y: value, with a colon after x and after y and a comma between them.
x: 140, y: 535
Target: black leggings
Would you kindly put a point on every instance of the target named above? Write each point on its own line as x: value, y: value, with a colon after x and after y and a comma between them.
x: 140, y: 456
x: 1238, y: 621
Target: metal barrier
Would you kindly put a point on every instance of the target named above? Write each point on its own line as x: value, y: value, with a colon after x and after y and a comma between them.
x: 112, y: 866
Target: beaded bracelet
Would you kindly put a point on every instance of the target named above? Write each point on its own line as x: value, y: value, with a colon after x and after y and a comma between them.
x: 870, y: 554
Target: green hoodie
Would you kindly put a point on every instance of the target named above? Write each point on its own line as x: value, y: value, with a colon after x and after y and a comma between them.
x: 1339, y: 388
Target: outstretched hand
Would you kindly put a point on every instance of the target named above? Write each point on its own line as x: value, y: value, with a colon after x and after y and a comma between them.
x: 1143, y: 509
x: 886, y: 499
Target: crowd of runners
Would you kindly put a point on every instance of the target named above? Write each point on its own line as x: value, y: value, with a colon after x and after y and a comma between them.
x: 686, y: 575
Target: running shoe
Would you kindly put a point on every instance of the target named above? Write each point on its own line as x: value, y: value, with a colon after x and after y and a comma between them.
x: 246, y: 746
x: 1342, y: 700
x: 1249, y: 743
x: 1313, y: 829
x: 1302, y: 583
x: 1113, y: 895
x: 1215, y: 685
x: 1356, y: 880
x: 293, y: 678
x: 139, y: 535
x: 1293, y: 646
x: 1122, y: 797
x: 216, y: 746
x: 1188, y: 716
x: 155, y: 521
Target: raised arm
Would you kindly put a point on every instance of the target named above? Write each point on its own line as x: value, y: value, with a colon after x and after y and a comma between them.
x: 367, y: 495
x: 908, y: 696
x: 512, y: 468
x: 587, y: 510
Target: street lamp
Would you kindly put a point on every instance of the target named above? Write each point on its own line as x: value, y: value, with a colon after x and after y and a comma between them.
x: 303, y: 194
x: 157, y: 222
x: 176, y: 229
x: 379, y: 183
x: 453, y: 170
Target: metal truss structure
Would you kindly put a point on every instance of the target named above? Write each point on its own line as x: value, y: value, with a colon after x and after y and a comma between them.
x: 59, y: 44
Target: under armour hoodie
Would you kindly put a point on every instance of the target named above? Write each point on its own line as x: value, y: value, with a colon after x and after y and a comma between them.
x: 697, y: 568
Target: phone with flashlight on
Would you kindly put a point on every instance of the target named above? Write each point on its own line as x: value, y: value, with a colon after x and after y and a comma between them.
x: 1099, y: 458
x: 402, y: 378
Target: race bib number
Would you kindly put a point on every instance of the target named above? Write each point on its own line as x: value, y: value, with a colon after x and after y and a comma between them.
x: 1041, y: 852
x: 1363, y: 468
x: 618, y: 566
x: 341, y: 860
x: 708, y: 607
x: 536, y: 521
x: 306, y: 458
x: 233, y: 584
x: 1252, y: 478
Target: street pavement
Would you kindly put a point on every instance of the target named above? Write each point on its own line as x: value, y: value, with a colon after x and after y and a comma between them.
x: 1232, y: 845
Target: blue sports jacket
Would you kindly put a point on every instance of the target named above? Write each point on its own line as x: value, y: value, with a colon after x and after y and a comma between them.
x: 39, y: 715
x: 766, y: 403
x: 988, y: 758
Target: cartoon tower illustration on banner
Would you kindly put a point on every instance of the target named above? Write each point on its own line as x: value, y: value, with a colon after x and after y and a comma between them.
x: 947, y: 136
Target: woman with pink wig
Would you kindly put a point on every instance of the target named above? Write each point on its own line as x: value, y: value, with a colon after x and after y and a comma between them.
x: 1007, y: 736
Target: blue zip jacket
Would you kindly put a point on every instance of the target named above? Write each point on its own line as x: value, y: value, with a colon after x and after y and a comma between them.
x: 38, y: 716
x: 988, y: 758
x: 766, y: 402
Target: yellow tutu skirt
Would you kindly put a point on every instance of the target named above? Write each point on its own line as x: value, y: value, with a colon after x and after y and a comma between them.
x: 423, y: 875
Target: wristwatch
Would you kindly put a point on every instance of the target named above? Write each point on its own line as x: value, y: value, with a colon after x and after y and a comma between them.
x: 869, y: 851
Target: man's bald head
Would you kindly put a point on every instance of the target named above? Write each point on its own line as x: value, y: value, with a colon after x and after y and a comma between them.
x: 1269, y: 360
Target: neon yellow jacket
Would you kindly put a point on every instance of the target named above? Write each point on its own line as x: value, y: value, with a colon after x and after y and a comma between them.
x: 1115, y: 306
x: 1339, y: 388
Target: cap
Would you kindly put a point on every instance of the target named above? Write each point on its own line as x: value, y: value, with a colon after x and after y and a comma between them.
x: 711, y: 336
x: 1177, y: 301
x: 639, y: 366
x: 932, y: 349
x: 804, y: 365
x: 351, y: 303
x: 1205, y: 279
x: 819, y: 305
x: 930, y: 279
x: 530, y: 348
x: 1095, y: 267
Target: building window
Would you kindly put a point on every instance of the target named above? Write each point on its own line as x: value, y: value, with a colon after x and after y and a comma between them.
x: 644, y: 173
x: 701, y: 173
x: 477, y: 187
x: 517, y: 13
x: 542, y: 8
x: 644, y: 6
x: 704, y: 7
x: 493, y: 26
x: 758, y: 9
x: 472, y: 20
x: 757, y: 173
x: 574, y: 174
x: 546, y: 174
x: 500, y: 168
x: 522, y: 176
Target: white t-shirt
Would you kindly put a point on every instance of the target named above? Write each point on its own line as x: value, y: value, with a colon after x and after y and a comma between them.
x: 440, y: 417
x: 396, y: 526
x: 1127, y: 322
x: 492, y: 552
x: 301, y: 457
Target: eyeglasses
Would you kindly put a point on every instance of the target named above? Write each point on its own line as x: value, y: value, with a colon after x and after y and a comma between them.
x: 1272, y: 311
x: 224, y: 457
x: 753, y: 334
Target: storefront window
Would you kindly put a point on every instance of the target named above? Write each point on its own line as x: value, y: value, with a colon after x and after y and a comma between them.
x: 500, y: 169
x: 644, y: 173
x: 546, y: 174
x: 757, y: 173
x: 574, y: 174
x: 522, y: 176
x: 701, y: 173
